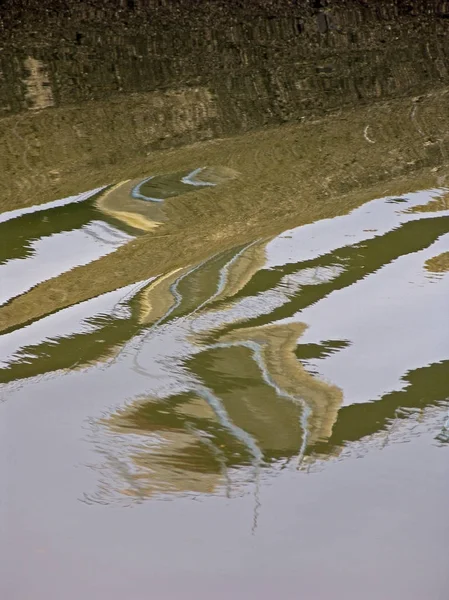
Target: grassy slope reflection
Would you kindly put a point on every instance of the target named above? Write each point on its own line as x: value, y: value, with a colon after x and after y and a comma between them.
x: 426, y: 387
x: 357, y: 261
x: 199, y: 285
x: 194, y: 452
x: 19, y: 233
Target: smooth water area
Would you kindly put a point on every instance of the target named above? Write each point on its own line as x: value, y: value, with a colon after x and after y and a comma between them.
x: 224, y: 325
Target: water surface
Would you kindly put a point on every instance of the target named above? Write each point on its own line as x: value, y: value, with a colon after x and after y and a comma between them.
x: 224, y: 361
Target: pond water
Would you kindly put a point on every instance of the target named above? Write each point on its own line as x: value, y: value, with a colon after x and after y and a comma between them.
x: 224, y: 363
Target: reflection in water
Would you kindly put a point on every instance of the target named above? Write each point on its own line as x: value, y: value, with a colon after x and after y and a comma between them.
x: 139, y: 203
x: 157, y: 188
x: 227, y: 356
x: 251, y: 287
x: 438, y: 264
x: 267, y: 181
x: 434, y: 205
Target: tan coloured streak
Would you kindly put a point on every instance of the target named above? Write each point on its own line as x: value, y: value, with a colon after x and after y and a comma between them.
x: 278, y: 343
x: 435, y: 205
x: 243, y: 269
x: 156, y: 299
x: 438, y: 264
x: 117, y: 203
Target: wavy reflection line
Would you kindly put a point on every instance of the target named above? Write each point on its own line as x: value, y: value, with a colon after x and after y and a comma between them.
x: 257, y: 353
x: 443, y: 436
x: 255, y: 348
x: 217, y: 406
x: 223, y: 277
x: 219, y: 455
x: 147, y: 306
x: 135, y: 192
x: 177, y: 302
x: 248, y: 440
x: 277, y: 345
x: 118, y: 202
x: 188, y: 179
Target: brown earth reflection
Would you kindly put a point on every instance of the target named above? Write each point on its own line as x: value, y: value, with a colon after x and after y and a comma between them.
x: 288, y: 176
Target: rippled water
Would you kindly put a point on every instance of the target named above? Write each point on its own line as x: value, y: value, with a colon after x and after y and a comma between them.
x: 201, y: 334
x: 252, y: 369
